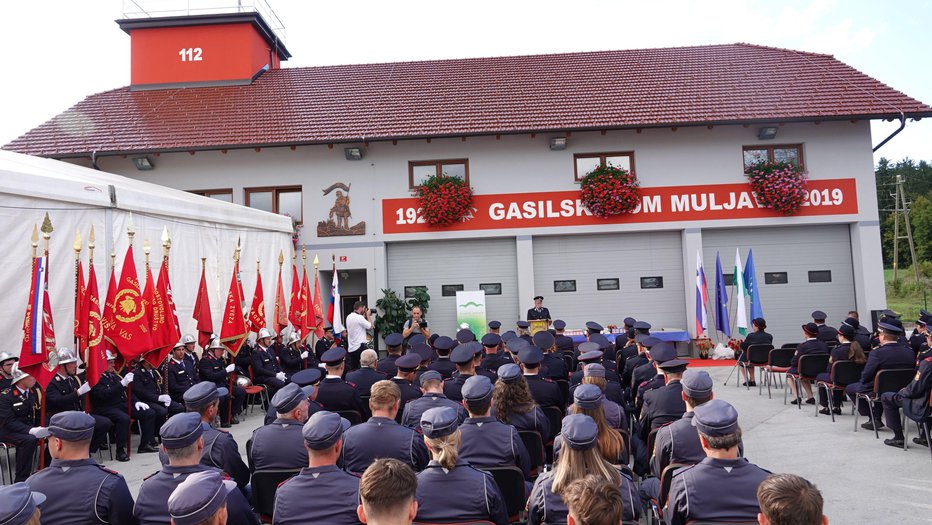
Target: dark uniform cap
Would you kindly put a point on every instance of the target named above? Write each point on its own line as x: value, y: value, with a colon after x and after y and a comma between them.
x: 290, y: 396
x: 423, y: 350
x: 443, y: 343
x: 544, y: 340
x: 588, y: 397
x: 431, y: 375
x: 642, y: 325
x: 394, y: 339
x: 890, y: 313
x: 334, y: 356
x: 580, y: 431
x: 202, y: 394
x: 432, y: 338
x: 477, y: 388
x: 594, y: 370
x: 438, y: 422
x: 846, y: 330
x: 409, y: 361
x: 697, y: 383
x: 508, y: 336
x: 811, y: 329
x: 495, y: 325
x: 629, y: 321
x: 593, y: 355
x: 559, y: 324
x: 307, y: 377
x: 19, y: 503
x: 328, y: 328
x: 417, y: 338
x: 921, y: 320
x: 852, y: 322
x: 462, y: 354
x: 588, y: 346
x: 465, y: 335
x: 649, y: 341
x: 491, y: 339
x: 475, y: 346
x: 889, y: 328
x: 323, y: 429
x: 516, y: 345
x: 662, y: 351
x: 199, y: 497
x: 531, y: 355
x: 523, y: 324
x: 181, y: 430
x: 72, y: 426
x: 819, y: 315
x: 601, y: 340
x: 592, y: 325
x: 541, y: 297
x: 715, y: 418
x: 509, y: 373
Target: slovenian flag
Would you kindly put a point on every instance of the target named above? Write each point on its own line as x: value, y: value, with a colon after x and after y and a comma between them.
x: 702, y: 298
x: 741, y: 318
x: 334, y: 315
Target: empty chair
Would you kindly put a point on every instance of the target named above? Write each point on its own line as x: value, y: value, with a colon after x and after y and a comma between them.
x: 778, y: 362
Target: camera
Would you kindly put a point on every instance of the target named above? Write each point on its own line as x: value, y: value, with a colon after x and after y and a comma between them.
x: 422, y: 323
x: 373, y: 311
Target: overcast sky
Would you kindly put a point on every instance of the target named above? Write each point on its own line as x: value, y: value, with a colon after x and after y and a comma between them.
x: 56, y: 52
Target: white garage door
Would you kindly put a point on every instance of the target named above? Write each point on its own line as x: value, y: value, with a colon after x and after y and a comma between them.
x: 646, y: 269
x: 468, y: 263
x: 800, y: 269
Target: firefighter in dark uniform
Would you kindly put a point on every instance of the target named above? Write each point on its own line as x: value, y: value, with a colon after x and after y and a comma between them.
x: 827, y: 334
x: 109, y: 399
x: 523, y: 331
x: 564, y: 342
x: 309, y: 377
x: 665, y: 404
x: 608, y: 352
x: 487, y: 442
x: 334, y: 393
x: 293, y: 355
x: 494, y: 356
x: 183, y: 433
x: 212, y: 367
x: 19, y: 419
x: 591, y: 352
x: 432, y: 396
x: 366, y: 375
x: 553, y: 366
x: 7, y: 361
x: 811, y: 346
x: 393, y: 344
x: 660, y: 353
x: 20, y: 505
x: 544, y: 391
x: 914, y: 399
x: 644, y: 343
x: 280, y: 445
x: 758, y: 336
x: 265, y: 368
x: 203, y: 497
x: 66, y: 392
x: 180, y: 373
x: 918, y: 338
x: 147, y: 387
x: 462, y: 356
x: 625, y: 348
x: 538, y: 312
x: 735, y: 479
x: 891, y: 354
x: 324, y: 343
x: 407, y: 366
x: 443, y: 345
x: 477, y: 354
x: 495, y: 327
x: 77, y: 488
x: 190, y: 355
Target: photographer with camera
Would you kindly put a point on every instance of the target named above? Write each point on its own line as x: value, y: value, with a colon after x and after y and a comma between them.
x: 416, y: 325
x: 357, y: 323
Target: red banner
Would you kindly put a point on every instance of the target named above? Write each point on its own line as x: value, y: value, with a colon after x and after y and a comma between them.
x: 659, y: 204
x: 80, y: 314
x: 257, y: 311
x: 317, y: 309
x: 280, y: 314
x: 130, y: 331
x: 295, y: 307
x: 96, y: 358
x: 233, y: 329
x: 201, y: 314
x: 165, y: 329
x: 38, y: 356
x: 305, y: 313
x: 109, y: 322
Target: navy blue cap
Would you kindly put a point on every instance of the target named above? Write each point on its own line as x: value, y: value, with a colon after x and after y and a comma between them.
x: 202, y: 394
x: 889, y: 328
x: 890, y: 313
x: 508, y: 336
x: 697, y: 383
x: 495, y: 325
x: 544, y: 340
x: 290, y: 396
x: 72, y: 426
x: 462, y: 354
x: 430, y: 375
x: 424, y: 351
x: 559, y: 324
x: 594, y: 326
x: 594, y: 370
x: 19, y: 503
x: 588, y: 346
x: 491, y: 339
x: 323, y: 429
x: 409, y: 362
x: 523, y: 324
x: 307, y: 377
x: 593, y: 355
x: 476, y: 348
x: 477, y: 388
x: 663, y: 351
x: 465, y: 335
x: 416, y: 338
x: 438, y: 422
x: 394, y: 339
x: 509, y: 373
x: 588, y: 397
x: 601, y: 340
x: 181, y: 430
x: 846, y: 330
x: 811, y: 329
x: 650, y: 341
x: 516, y: 345
x: 531, y: 355
x: 334, y: 356
x: 629, y: 322
x: 715, y: 418
x: 432, y: 338
x: 922, y: 320
x: 819, y: 315
x: 642, y: 325
x: 580, y: 431
x: 443, y: 343
x: 199, y: 497
x: 541, y: 297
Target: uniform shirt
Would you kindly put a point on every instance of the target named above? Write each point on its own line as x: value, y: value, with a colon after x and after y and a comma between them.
x: 544, y: 391
x: 531, y: 420
x: 408, y: 392
x: 810, y: 346
x: 364, y: 378
x: 290, y: 359
x: 554, y: 367
x: 453, y: 387
x: 662, y: 405
x: 338, y: 494
x: 677, y: 442
x: 152, y: 504
x: 382, y: 438
x: 839, y: 353
x: 221, y: 452
x: 413, y: 411
x: 494, y: 361
x: 146, y: 385
x: 82, y: 491
x: 915, y: 395
x: 5, y: 382
x: 487, y: 442
x: 193, y: 360
x: 447, y: 367
x: 564, y: 344
x: 462, y: 493
x: 62, y: 395
x: 630, y: 366
x: 19, y: 410
x: 886, y: 357
x: 335, y: 394
x: 387, y: 365
x: 323, y: 344
x: 734, y: 497
x: 356, y: 326
x: 546, y: 507
x: 759, y: 337
x: 181, y: 375
x: 278, y: 446
x: 214, y: 370
x: 109, y: 392
x: 264, y: 365
x: 916, y: 340
x: 538, y: 313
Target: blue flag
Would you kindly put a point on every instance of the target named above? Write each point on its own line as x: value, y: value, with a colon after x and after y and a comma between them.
x: 750, y: 282
x: 721, y: 300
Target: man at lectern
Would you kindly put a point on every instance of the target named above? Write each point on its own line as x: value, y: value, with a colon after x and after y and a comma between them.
x: 538, y: 312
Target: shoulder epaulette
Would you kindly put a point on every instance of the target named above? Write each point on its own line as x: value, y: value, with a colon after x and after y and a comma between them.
x: 150, y: 475
x: 5, y: 391
x: 351, y: 384
x: 107, y: 470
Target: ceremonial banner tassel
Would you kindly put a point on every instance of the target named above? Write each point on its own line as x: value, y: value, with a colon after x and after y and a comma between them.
x: 305, y: 316
x: 96, y: 356
x: 131, y: 334
x: 201, y: 314
x: 280, y: 314
x: 317, y: 303
x: 257, y: 311
x: 233, y: 331
x: 37, y: 354
x: 294, y: 314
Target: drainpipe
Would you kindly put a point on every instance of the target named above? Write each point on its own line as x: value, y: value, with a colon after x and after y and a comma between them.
x: 94, y: 160
x: 899, y: 129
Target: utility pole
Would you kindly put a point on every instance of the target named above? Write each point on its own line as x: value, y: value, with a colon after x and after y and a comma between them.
x: 901, y: 210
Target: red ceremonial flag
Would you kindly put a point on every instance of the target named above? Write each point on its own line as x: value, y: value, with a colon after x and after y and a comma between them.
x: 148, y: 297
x: 205, y: 324
x: 316, y: 314
x: 306, y: 306
x: 80, y: 314
x: 280, y: 314
x: 108, y: 321
x: 233, y: 331
x: 38, y: 329
x: 96, y: 358
x: 166, y: 332
x: 296, y: 307
x: 257, y: 312
x: 131, y: 334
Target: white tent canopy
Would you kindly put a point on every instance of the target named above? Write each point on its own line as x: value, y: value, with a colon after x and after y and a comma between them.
x: 76, y: 198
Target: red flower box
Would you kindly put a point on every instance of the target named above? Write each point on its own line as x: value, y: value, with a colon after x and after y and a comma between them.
x: 608, y: 191
x: 778, y: 185
x: 444, y: 200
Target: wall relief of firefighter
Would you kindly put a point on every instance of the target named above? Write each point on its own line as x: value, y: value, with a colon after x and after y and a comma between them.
x: 338, y: 220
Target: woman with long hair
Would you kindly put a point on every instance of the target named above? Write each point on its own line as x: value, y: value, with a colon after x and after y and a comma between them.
x: 588, y: 400
x: 848, y: 349
x: 580, y: 457
x: 513, y: 404
x: 449, y: 489
x: 614, y: 413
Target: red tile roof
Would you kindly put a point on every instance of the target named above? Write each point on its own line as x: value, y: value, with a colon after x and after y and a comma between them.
x: 576, y: 91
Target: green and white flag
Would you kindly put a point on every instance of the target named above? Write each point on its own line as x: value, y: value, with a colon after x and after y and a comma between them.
x: 741, y: 317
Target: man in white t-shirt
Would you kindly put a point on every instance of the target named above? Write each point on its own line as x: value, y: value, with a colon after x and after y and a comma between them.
x: 356, y: 325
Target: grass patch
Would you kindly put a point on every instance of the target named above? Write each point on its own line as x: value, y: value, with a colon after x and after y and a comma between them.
x: 906, y: 296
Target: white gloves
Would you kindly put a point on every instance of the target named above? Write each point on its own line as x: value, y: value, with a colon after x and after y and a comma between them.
x: 39, y: 432
x: 83, y: 389
x: 230, y: 368
x: 127, y: 379
x: 166, y: 399
x: 280, y: 376
x: 141, y: 406
x: 304, y: 355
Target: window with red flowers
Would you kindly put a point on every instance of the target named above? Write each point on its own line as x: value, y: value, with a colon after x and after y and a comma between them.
x: 421, y: 170
x: 583, y: 163
x: 789, y: 153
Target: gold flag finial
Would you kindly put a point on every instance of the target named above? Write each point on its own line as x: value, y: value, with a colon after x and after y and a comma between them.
x: 46, y: 231
x: 90, y: 246
x: 316, y: 262
x: 146, y: 247
x: 130, y: 228
x: 35, y: 239
x: 77, y: 242
x: 281, y: 257
x: 203, y: 262
x: 237, y: 250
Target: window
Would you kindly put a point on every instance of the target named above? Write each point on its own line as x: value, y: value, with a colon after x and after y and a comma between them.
x: 648, y: 283
x: 606, y: 284
x: 729, y: 279
x: 449, y: 290
x: 820, y: 276
x: 586, y: 162
x: 421, y: 170
x: 284, y: 201
x: 491, y: 288
x: 225, y: 195
x: 410, y: 291
x: 775, y: 278
x: 564, y: 286
x: 790, y: 153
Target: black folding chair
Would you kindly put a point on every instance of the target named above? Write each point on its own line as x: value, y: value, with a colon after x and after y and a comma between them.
x: 666, y: 479
x: 264, y: 485
x: 534, y: 444
x: 555, y: 418
x: 510, y: 481
x: 925, y: 427
x: 808, y: 368
x: 778, y: 362
x: 843, y: 373
x: 564, y: 385
x: 352, y: 416
x: 794, y: 346
x: 758, y: 356
x: 570, y: 362
x: 651, y: 440
x: 890, y: 380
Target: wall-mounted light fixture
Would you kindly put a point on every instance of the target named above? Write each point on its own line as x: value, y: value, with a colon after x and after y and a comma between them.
x: 557, y: 143
x: 143, y: 163
x: 353, y: 153
x: 767, y: 133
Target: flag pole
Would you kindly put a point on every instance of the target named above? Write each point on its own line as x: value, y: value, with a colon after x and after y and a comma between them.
x: 90, y: 263
x: 230, y: 377
x: 77, y: 261
x: 46, y: 235
x: 316, y: 296
x: 130, y: 233
x: 275, y: 312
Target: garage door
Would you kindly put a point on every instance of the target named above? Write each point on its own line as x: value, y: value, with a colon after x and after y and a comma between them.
x: 800, y: 269
x: 605, y: 278
x: 491, y: 263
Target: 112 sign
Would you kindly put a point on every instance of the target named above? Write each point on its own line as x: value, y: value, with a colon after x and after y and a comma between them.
x: 191, y: 54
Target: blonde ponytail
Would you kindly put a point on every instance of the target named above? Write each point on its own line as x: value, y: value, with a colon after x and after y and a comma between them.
x: 446, y: 450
